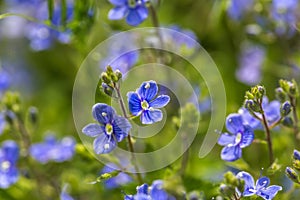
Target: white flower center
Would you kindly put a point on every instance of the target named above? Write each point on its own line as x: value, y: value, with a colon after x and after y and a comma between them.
x: 106, y: 146
x: 5, y: 165
x: 147, y: 86
x: 145, y: 105
x: 238, y: 138
x: 108, y: 129
x: 103, y: 114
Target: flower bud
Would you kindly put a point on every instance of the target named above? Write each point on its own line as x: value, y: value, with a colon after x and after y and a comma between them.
x: 109, y: 70
x: 285, y: 108
x: 288, y: 122
x: 260, y: 91
x: 226, y: 191
x: 252, y: 106
x: 105, y: 78
x: 296, y: 155
x: 107, y: 89
x: 118, y: 74
x: 231, y: 179
x: 292, y: 174
x: 280, y: 94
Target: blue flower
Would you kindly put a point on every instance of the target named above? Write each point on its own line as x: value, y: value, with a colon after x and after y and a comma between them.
x: 135, y: 11
x: 52, y: 150
x: 238, y: 8
x: 112, y: 128
x: 42, y: 37
x: 154, y: 192
x: 143, y: 102
x: 5, y: 81
x: 240, y: 136
x: 285, y: 15
x: 117, y: 181
x: 260, y: 188
x: 272, y: 113
x: 9, y: 154
x: 250, y: 64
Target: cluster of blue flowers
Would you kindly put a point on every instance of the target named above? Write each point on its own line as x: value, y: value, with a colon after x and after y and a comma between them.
x: 154, y: 192
x: 112, y: 128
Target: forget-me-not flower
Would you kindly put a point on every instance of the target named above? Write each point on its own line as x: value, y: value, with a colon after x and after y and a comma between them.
x: 135, y: 11
x: 9, y: 154
x: 261, y: 188
x: 145, y: 103
x: 53, y: 150
x: 250, y: 64
x: 240, y: 136
x: 154, y: 192
x: 110, y: 130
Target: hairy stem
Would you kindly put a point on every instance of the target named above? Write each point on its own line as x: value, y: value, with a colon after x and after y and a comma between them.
x: 129, y: 140
x: 268, y: 134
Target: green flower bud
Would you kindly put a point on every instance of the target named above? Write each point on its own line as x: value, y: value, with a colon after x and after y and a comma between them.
x: 252, y: 106
x: 109, y: 70
x: 107, y: 89
x: 249, y: 95
x: 105, y: 78
x: 118, y: 74
x: 231, y: 179
x: 280, y: 94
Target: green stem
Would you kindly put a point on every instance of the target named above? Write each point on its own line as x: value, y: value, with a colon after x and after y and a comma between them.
x: 129, y: 140
x: 156, y: 24
x: 296, y: 120
x: 268, y: 134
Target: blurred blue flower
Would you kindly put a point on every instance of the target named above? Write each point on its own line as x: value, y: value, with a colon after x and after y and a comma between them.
x: 188, y: 41
x: 240, y: 136
x: 260, y: 188
x: 5, y: 81
x: 64, y: 195
x: 112, y: 128
x: 9, y: 154
x: 117, y: 181
x: 143, y: 102
x: 135, y: 11
x: 154, y: 192
x: 204, y: 103
x: 119, y: 55
x: 250, y: 64
x: 237, y: 8
x: 285, y: 15
x: 53, y: 150
x: 42, y: 37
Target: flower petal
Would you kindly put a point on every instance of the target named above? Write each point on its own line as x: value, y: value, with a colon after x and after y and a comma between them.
x: 137, y: 15
x: 8, y: 177
x: 117, y: 13
x: 104, y: 144
x: 157, y: 192
x: 121, y: 128
x: 249, y: 183
x: 143, y: 189
x: 134, y: 102
x: 160, y: 101
x: 103, y: 113
x: 226, y: 139
x: 270, y: 192
x: 151, y: 116
x: 247, y: 137
x: 231, y: 153
x: 93, y: 130
x: 234, y: 123
x: 10, y: 150
x: 262, y: 182
x: 148, y: 90
x: 118, y: 2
